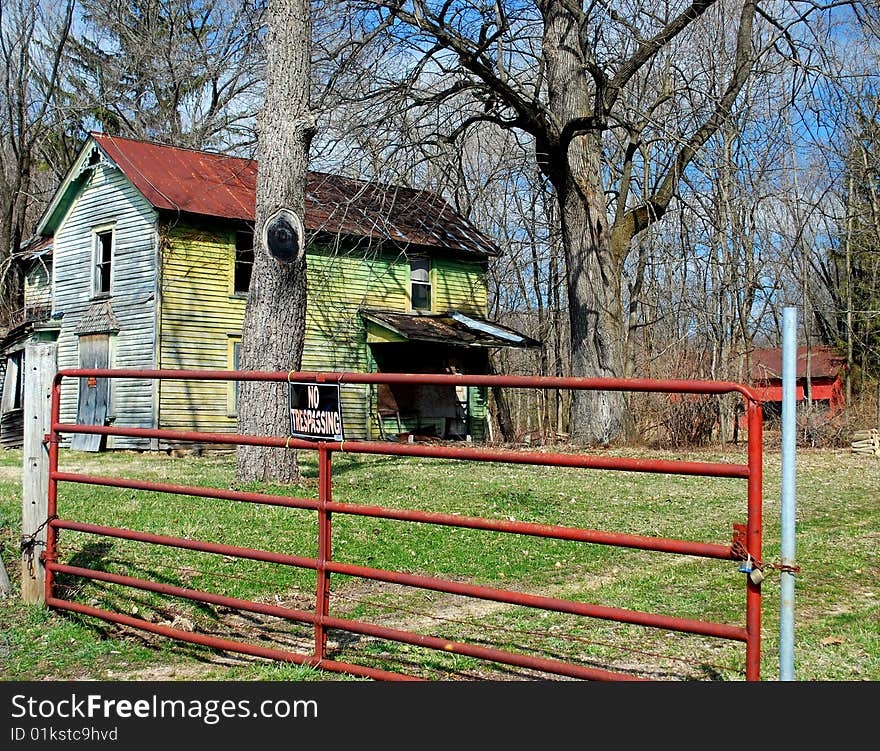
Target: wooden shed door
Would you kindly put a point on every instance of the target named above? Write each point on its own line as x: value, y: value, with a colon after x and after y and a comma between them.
x: 94, y: 393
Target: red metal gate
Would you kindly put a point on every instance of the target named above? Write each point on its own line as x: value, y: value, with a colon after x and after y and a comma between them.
x: 746, y: 541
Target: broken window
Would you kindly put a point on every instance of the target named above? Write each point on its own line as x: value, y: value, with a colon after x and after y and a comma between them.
x: 13, y: 384
x: 244, y: 261
x: 420, y: 282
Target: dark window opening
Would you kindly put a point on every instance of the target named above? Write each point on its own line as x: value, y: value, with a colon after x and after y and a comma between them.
x: 236, y: 365
x: 420, y: 283
x: 244, y: 261
x: 103, y: 261
x: 13, y: 386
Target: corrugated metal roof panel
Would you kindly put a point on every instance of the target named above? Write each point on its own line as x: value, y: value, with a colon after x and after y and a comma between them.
x: 209, y: 184
x: 449, y: 328
x: 825, y: 362
x: 99, y: 318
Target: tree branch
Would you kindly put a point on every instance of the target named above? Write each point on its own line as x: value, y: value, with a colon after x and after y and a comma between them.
x: 649, y: 48
x: 637, y: 219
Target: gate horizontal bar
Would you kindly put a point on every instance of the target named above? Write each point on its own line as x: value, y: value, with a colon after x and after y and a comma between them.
x: 576, y: 534
x: 668, y: 386
x: 228, y: 645
x: 706, y: 628
x: 179, y: 542
x: 454, y: 647
x: 636, y: 617
x: 577, y: 461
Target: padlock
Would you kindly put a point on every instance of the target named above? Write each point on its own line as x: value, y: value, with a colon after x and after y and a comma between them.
x: 745, y: 567
x: 756, y: 575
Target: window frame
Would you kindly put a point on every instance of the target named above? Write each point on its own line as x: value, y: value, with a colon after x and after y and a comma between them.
x: 233, y: 288
x: 429, y: 284
x: 13, y: 393
x: 233, y: 343
x: 98, y: 232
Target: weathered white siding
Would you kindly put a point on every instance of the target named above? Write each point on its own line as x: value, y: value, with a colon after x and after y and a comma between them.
x: 38, y: 284
x: 107, y: 197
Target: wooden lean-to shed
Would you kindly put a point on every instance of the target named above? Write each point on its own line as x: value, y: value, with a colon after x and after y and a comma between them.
x: 31, y: 323
x: 153, y: 247
x: 824, y: 366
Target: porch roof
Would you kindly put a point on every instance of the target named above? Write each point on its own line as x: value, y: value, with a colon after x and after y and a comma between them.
x: 452, y: 327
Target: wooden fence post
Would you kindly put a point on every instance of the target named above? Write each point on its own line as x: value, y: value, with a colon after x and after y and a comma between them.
x: 40, y: 367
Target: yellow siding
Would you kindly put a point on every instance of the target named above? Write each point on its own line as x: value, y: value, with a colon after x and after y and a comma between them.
x: 379, y: 334
x: 199, y: 316
x: 38, y: 285
x: 460, y: 285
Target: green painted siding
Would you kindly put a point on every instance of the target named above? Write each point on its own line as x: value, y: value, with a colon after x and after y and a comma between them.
x: 107, y: 198
x: 461, y: 285
x: 477, y: 401
x: 200, y: 314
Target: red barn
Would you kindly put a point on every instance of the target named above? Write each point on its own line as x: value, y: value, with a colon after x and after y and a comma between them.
x: 826, y: 367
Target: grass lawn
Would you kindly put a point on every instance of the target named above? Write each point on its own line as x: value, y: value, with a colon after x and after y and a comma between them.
x: 837, y: 591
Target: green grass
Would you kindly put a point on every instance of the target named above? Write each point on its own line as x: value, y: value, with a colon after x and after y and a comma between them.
x: 837, y: 595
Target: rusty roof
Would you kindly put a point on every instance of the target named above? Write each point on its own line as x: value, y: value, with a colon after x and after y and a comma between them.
x: 452, y: 327
x: 825, y: 362
x: 217, y: 185
x: 35, y: 247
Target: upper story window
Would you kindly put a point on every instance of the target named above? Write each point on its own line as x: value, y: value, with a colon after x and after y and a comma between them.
x: 244, y: 261
x: 420, y: 283
x: 103, y: 261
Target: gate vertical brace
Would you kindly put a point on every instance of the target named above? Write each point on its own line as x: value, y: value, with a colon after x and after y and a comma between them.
x: 753, y: 540
x: 51, y: 554
x: 322, y: 598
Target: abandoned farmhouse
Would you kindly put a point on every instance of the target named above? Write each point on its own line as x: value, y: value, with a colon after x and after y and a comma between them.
x: 143, y: 261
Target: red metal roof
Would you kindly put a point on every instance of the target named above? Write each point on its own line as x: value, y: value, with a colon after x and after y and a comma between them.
x: 825, y: 362
x: 210, y: 184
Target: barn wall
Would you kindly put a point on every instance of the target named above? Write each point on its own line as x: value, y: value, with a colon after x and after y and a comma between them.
x: 823, y: 389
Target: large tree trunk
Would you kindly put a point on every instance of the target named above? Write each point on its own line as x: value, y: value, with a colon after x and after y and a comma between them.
x: 594, y: 301
x: 274, y: 323
x: 597, y: 417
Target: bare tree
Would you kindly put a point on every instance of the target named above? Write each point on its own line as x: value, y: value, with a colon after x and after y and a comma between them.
x: 617, y: 101
x: 184, y: 72
x: 33, y: 39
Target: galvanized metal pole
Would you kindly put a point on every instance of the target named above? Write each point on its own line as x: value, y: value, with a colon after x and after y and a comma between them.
x: 789, y: 504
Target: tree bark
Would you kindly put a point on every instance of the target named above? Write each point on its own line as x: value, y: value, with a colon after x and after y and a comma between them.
x: 593, y: 281
x: 274, y: 323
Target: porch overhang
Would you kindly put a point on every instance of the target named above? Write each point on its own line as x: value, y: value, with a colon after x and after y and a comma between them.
x: 450, y: 328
